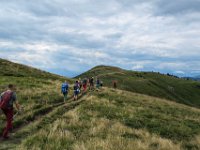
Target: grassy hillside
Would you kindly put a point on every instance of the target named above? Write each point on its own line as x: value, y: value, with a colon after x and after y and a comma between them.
x: 149, y: 83
x: 105, y: 120
x: 37, y: 91
x: 8, y: 68
x: 112, y: 120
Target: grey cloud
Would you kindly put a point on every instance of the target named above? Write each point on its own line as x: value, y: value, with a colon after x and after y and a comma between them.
x: 36, y: 7
x: 174, y: 7
x: 79, y: 40
x: 114, y: 36
x: 8, y: 51
x: 62, y: 8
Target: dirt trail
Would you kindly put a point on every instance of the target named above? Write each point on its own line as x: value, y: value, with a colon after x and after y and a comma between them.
x: 40, y: 121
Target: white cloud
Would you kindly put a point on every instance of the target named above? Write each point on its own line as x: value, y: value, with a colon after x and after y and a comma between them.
x: 137, y: 67
x: 180, y: 72
x: 132, y: 34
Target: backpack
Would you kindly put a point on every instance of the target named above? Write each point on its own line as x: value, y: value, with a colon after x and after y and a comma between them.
x: 98, y: 81
x: 91, y: 80
x: 5, y: 98
x: 85, y: 81
x: 64, y: 88
x: 76, y: 87
x: 80, y: 83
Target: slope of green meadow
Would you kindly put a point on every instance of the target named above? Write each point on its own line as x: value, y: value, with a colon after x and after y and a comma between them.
x: 115, y: 119
x: 107, y: 119
x: 37, y: 91
x: 11, y: 69
x: 149, y: 83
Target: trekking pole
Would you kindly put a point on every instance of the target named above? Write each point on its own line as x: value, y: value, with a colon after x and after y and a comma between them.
x: 17, y: 113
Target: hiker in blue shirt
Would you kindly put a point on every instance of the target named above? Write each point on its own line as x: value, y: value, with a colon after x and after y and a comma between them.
x: 64, y: 90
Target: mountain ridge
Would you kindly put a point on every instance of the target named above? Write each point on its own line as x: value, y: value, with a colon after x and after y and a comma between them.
x: 149, y: 83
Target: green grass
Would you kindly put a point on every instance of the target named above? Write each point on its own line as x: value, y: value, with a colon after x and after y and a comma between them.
x: 36, y: 91
x: 35, y: 95
x: 105, y: 120
x: 153, y: 116
x: 148, y: 83
x: 8, y: 68
x: 120, y: 120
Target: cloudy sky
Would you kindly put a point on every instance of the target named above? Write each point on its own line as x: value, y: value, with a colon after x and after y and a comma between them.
x: 70, y: 36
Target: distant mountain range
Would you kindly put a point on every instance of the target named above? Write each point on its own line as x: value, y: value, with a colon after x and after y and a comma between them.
x: 196, y: 78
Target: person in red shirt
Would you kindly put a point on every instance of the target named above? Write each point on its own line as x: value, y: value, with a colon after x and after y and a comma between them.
x: 85, y: 85
x: 7, y: 108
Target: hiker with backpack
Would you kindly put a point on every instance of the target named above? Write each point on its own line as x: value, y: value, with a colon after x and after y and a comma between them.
x: 85, y: 85
x: 98, y: 83
x: 76, y: 90
x: 91, y: 83
x: 80, y: 84
x: 64, y: 90
x: 101, y: 84
x: 114, y: 84
x: 88, y: 81
x: 7, y: 99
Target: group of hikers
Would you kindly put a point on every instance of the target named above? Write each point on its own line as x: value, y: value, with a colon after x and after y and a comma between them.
x: 9, y: 98
x: 80, y: 86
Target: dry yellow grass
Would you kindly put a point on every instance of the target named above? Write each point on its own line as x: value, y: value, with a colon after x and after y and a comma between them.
x: 114, y: 141
x: 85, y: 128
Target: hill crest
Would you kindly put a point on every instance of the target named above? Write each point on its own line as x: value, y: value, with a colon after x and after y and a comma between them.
x: 8, y: 68
x: 149, y: 83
